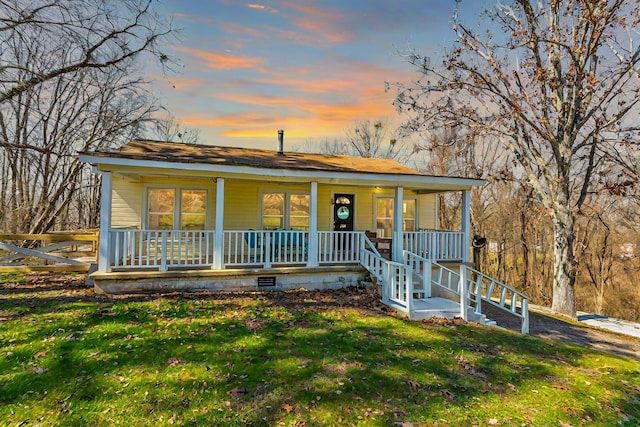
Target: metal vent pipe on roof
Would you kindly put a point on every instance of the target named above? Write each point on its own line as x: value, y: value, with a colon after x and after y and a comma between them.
x: 281, y: 142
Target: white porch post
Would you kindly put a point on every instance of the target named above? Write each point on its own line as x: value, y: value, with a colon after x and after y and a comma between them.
x: 463, y: 286
x: 312, y: 246
x: 105, y: 223
x: 396, y: 250
x: 466, y: 225
x: 218, y: 237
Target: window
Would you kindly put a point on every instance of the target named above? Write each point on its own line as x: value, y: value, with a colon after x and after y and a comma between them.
x: 285, y: 210
x: 161, y: 208
x: 193, y: 212
x: 272, y: 211
x: 384, y: 216
x: 176, y: 209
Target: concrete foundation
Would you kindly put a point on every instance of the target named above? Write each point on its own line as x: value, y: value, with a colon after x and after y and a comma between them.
x: 280, y: 279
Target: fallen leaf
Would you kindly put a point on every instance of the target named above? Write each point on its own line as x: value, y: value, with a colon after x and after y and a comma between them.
x: 237, y: 392
x: 174, y: 361
x: 448, y: 394
x: 287, y: 407
x: 493, y: 421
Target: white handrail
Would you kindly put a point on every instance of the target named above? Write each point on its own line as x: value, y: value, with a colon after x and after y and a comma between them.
x: 395, y: 279
x: 421, y: 268
x: 483, y: 288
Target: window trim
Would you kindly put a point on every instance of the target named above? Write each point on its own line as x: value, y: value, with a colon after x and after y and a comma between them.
x: 404, y: 199
x: 177, y: 203
x: 287, y: 204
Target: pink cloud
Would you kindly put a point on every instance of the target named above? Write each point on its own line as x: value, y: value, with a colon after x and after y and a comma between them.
x: 330, y: 26
x: 225, y: 61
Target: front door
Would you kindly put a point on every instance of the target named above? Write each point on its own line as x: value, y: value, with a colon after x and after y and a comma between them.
x: 343, y: 212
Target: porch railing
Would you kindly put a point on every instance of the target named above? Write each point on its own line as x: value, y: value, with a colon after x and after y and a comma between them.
x: 437, y: 245
x: 164, y: 249
x: 340, y: 246
x: 265, y: 247
x: 160, y: 249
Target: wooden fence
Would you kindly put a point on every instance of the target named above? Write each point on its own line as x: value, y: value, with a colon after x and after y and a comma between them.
x: 59, y: 251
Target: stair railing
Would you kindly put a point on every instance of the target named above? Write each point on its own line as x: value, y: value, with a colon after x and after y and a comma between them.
x: 420, y: 268
x: 395, y: 279
x: 482, y: 288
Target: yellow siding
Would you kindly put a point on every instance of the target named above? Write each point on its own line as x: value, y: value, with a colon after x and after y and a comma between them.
x: 126, y: 202
x: 427, y: 211
x: 242, y: 202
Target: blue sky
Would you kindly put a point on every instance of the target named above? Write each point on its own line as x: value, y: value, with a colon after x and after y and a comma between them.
x: 310, y: 67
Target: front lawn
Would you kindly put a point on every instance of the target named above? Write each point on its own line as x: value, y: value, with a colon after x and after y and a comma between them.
x: 295, y: 358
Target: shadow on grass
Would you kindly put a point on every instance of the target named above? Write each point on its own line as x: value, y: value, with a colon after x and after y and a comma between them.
x: 259, y: 358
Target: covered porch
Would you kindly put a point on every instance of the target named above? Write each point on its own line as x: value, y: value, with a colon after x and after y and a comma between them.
x: 196, y: 216
x: 169, y: 206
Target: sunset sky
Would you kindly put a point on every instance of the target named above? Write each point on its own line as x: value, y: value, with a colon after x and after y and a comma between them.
x: 310, y: 67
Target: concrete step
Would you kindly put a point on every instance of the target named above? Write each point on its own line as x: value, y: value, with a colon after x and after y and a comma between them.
x: 441, y: 307
x: 425, y: 308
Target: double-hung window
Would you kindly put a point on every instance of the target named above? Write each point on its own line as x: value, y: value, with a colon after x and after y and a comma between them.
x: 177, y: 208
x: 285, y: 210
x: 384, y: 215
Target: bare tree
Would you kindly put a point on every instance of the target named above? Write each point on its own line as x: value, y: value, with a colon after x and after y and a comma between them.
x: 556, y: 88
x: 83, y: 34
x: 365, y: 139
x: 371, y: 139
x: 169, y: 129
x: 43, y: 126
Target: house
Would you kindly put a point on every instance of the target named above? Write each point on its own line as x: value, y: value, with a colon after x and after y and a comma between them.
x: 198, y: 217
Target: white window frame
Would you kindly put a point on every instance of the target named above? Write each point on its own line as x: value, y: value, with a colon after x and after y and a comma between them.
x: 287, y: 205
x: 177, y: 203
x: 405, y: 199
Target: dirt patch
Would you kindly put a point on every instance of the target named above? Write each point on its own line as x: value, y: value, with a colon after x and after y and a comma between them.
x: 64, y: 287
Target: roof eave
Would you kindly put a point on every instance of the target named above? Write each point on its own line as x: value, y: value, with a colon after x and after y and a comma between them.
x: 378, y: 179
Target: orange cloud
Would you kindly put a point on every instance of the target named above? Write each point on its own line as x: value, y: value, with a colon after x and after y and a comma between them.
x: 220, y: 61
x: 300, y: 117
x: 261, y: 7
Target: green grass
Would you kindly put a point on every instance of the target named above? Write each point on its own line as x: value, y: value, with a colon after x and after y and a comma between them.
x: 253, y: 360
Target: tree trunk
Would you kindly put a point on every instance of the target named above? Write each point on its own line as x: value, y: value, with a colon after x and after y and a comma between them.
x: 564, y: 278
